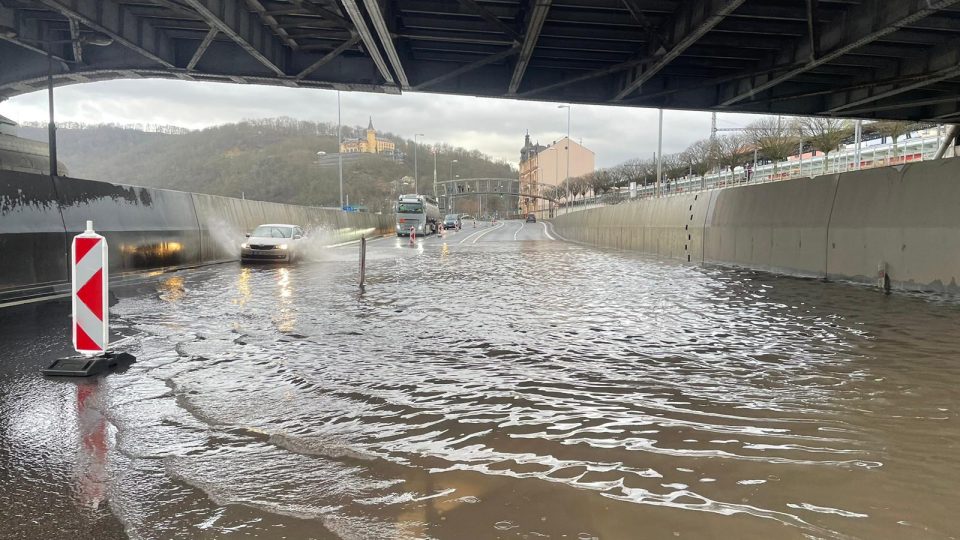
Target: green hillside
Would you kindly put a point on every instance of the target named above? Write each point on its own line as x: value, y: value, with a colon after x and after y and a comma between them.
x: 270, y: 159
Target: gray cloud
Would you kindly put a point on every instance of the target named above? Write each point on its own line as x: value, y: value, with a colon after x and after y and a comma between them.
x: 493, y: 126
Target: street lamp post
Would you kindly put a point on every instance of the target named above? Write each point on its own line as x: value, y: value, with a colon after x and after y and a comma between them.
x: 86, y: 39
x: 416, y: 170
x: 659, y: 154
x: 51, y: 127
x: 567, y: 107
x: 339, y: 149
x: 450, y: 198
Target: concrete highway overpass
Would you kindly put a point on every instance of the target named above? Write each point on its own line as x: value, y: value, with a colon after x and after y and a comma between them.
x: 865, y: 58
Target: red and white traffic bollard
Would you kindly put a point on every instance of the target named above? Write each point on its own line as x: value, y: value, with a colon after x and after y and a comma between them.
x: 413, y: 236
x: 90, y: 283
x: 91, y: 316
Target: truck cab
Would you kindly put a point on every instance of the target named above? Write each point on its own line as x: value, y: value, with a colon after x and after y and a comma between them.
x: 418, y: 212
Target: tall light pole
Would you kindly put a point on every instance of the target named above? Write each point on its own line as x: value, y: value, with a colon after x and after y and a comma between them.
x: 567, y: 107
x: 858, y: 134
x: 659, y: 153
x: 450, y: 197
x: 339, y: 149
x: 416, y: 170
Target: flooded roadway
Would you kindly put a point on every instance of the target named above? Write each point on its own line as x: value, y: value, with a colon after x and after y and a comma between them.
x: 498, y: 383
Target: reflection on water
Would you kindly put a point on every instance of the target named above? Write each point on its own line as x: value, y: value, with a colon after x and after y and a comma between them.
x: 243, y: 287
x: 171, y: 289
x: 530, y: 391
x: 92, y: 451
x: 285, y: 318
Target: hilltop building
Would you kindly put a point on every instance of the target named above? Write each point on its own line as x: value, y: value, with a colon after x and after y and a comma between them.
x: 371, y: 144
x: 545, y: 166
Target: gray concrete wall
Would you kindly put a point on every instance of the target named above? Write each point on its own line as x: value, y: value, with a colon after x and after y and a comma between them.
x: 905, y: 219
x: 146, y: 229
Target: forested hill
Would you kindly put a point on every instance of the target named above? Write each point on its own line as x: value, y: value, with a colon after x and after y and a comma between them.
x: 269, y: 159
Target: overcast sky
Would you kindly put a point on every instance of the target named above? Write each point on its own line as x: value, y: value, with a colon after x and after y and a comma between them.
x: 493, y: 126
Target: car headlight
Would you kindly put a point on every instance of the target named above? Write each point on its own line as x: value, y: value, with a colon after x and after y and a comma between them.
x: 283, y: 246
x: 245, y: 245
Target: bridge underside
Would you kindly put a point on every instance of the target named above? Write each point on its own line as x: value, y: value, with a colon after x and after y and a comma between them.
x: 864, y: 58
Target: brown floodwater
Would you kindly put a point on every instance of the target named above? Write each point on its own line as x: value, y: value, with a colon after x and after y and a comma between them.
x: 502, y: 385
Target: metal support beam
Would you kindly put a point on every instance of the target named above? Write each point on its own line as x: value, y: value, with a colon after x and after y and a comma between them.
x: 535, y: 24
x: 942, y: 75
x: 328, y: 57
x: 369, y: 42
x: 75, y: 41
x: 469, y: 67
x: 862, y: 25
x: 940, y: 63
x: 270, y: 21
x: 953, y: 98
x: 623, y: 66
x: 109, y: 18
x: 29, y: 30
x: 951, y: 136
x: 813, y: 28
x: 229, y: 17
x: 495, y: 21
x: 689, y: 24
x: 380, y: 25
x: 202, y: 48
x: 330, y: 15
x: 636, y: 11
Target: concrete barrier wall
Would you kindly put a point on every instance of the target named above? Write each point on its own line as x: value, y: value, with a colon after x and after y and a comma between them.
x: 670, y: 226
x: 146, y: 229
x: 777, y: 227
x: 905, y: 219
x: 32, y: 238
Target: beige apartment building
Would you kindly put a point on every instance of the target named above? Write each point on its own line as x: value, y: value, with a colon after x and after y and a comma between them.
x: 544, y: 166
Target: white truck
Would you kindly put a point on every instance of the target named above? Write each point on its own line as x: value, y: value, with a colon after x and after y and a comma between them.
x: 419, y: 212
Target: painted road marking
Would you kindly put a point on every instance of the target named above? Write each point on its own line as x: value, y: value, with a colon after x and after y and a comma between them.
x: 522, y: 225
x: 482, y: 234
x: 469, y: 236
x: 546, y: 230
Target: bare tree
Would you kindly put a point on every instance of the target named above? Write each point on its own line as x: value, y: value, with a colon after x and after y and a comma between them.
x: 773, y: 138
x: 699, y: 157
x: 601, y: 181
x: 733, y: 150
x: 824, y: 134
x: 637, y: 170
x: 893, y: 129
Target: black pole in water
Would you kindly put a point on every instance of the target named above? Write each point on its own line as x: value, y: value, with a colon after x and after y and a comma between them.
x: 363, y: 262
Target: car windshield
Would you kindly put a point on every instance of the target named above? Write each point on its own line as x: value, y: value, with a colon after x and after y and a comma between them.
x: 272, y: 231
x: 410, y: 208
x: 451, y: 217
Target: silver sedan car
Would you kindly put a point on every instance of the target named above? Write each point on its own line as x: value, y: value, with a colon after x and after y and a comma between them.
x: 279, y: 242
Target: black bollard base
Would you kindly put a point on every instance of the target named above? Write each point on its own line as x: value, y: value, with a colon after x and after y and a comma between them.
x: 80, y: 366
